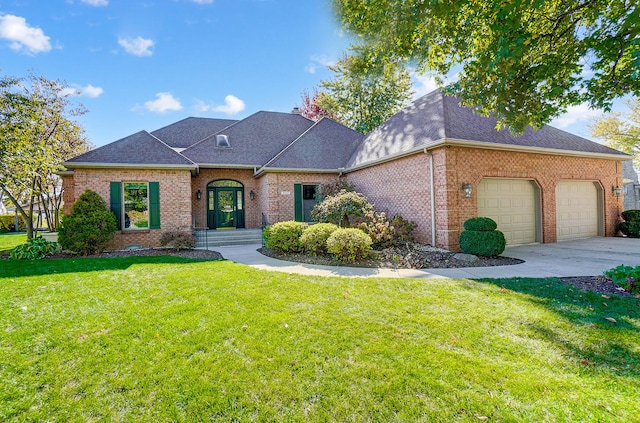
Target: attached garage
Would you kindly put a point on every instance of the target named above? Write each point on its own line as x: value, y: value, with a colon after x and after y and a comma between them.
x: 512, y: 204
x: 576, y: 210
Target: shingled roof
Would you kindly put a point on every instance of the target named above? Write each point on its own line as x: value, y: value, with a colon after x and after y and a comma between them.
x: 253, y: 141
x: 327, y: 145
x: 189, y: 131
x: 436, y: 118
x: 139, y: 149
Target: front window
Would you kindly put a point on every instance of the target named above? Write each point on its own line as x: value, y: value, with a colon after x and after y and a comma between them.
x: 136, y: 205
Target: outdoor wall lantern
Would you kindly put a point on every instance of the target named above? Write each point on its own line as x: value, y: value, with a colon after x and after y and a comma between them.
x: 467, y: 189
x: 252, y: 194
x: 198, y: 194
x: 617, y: 191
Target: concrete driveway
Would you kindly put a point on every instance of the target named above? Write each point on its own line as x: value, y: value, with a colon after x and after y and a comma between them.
x: 583, y: 257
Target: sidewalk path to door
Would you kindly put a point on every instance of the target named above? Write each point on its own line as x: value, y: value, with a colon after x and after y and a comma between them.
x: 583, y: 257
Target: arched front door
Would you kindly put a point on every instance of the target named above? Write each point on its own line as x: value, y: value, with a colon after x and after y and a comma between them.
x: 225, y: 204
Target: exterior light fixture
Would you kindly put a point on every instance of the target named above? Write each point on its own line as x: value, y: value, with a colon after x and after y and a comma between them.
x: 198, y: 194
x: 467, y: 189
x: 252, y: 194
x: 617, y: 191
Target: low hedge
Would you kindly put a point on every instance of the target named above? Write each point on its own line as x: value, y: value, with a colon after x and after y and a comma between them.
x: 349, y: 245
x: 631, y: 225
x: 8, y: 223
x: 483, y: 241
x: 314, y: 238
x: 284, y: 236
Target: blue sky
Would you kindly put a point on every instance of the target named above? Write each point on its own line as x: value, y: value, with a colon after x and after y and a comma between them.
x: 145, y: 64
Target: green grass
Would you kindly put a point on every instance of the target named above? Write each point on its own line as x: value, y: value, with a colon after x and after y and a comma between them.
x: 163, y: 339
x: 9, y: 241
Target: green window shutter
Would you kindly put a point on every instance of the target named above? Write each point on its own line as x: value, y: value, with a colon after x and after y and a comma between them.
x: 115, y: 195
x: 154, y: 205
x: 297, y: 202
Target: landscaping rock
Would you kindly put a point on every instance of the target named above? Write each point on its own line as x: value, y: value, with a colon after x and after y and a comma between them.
x: 466, y: 257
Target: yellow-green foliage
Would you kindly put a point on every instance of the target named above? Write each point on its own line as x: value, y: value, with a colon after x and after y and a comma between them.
x: 285, y: 236
x: 314, y: 238
x: 349, y: 245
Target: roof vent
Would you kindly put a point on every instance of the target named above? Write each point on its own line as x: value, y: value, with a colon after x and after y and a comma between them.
x: 295, y: 111
x: 222, y: 141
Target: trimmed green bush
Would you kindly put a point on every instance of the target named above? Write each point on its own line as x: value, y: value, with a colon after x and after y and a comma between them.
x: 484, y: 241
x: 314, y: 238
x: 89, y: 226
x: 349, y: 245
x: 631, y: 215
x: 285, y: 236
x: 8, y: 223
x: 480, y: 224
x: 34, y: 249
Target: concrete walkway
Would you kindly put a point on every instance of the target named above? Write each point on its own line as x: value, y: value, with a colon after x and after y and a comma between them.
x: 584, y: 257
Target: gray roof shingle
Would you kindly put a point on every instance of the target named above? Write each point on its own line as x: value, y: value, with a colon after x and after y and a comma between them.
x: 435, y: 117
x: 141, y: 148
x: 327, y: 145
x: 189, y: 131
x: 254, y: 140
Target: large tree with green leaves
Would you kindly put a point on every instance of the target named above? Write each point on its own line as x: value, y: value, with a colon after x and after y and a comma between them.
x: 621, y: 130
x: 362, y: 100
x: 524, y: 62
x: 37, y: 134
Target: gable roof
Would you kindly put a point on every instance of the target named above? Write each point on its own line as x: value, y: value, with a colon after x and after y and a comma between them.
x: 327, y: 145
x: 138, y: 150
x: 253, y: 141
x: 188, y: 131
x: 435, y: 119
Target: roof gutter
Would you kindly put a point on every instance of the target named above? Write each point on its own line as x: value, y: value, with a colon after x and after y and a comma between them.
x: 263, y: 170
x: 88, y: 165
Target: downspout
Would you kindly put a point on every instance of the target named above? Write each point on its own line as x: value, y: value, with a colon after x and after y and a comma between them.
x: 433, y: 198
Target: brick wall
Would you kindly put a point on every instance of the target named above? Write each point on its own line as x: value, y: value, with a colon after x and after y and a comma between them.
x: 252, y: 208
x: 279, y: 186
x: 402, y: 186
x: 175, y: 199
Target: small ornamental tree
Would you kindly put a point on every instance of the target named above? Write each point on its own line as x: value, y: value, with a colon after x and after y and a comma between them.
x: 89, y: 226
x: 340, y: 208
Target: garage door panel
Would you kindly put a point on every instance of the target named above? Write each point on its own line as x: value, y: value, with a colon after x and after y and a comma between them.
x: 511, y: 203
x: 576, y: 210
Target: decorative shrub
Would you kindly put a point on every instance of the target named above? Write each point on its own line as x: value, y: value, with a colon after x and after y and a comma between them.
x: 314, y: 238
x: 89, y: 226
x: 179, y: 240
x: 631, y: 215
x: 631, y: 226
x: 349, y: 245
x: 483, y: 242
x: 340, y: 208
x: 627, y: 277
x: 386, y: 233
x: 333, y: 188
x: 34, y: 249
x: 480, y: 224
x: 285, y: 236
x: 8, y: 223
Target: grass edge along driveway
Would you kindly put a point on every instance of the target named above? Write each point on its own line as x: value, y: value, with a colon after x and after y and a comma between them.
x: 171, y: 339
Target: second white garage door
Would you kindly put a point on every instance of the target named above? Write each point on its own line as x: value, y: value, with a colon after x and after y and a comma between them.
x: 576, y: 210
x: 512, y: 204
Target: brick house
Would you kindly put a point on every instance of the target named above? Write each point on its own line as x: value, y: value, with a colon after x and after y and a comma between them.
x: 435, y: 162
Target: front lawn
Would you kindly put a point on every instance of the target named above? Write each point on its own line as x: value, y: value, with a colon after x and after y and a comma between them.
x: 150, y: 339
x: 9, y: 241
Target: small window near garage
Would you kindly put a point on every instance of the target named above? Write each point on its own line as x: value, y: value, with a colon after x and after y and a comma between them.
x: 135, y: 197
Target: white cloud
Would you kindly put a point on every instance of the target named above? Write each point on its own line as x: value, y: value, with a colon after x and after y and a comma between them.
x: 137, y: 46
x: 87, y: 91
x: 232, y: 105
x: 22, y: 36
x: 165, y: 102
x: 576, y: 114
x: 96, y: 2
x: 322, y: 60
x: 422, y: 84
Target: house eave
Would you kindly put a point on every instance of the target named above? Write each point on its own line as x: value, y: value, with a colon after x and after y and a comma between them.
x: 490, y: 146
x: 225, y: 166
x: 295, y: 170
x: 89, y: 165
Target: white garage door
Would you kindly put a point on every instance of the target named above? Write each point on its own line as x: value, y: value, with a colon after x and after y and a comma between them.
x: 576, y: 210
x: 511, y: 203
